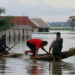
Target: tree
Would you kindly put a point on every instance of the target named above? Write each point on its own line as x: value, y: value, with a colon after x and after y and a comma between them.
x: 71, y: 21
x: 5, y: 22
x: 2, y: 10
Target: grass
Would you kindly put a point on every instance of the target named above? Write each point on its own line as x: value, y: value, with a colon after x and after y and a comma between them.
x: 62, y: 28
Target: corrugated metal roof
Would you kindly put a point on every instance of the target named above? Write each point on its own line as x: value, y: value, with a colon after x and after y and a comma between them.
x: 41, y: 23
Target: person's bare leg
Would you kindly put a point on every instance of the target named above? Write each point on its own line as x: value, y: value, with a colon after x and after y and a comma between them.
x: 53, y: 58
x: 59, y: 59
x: 29, y: 51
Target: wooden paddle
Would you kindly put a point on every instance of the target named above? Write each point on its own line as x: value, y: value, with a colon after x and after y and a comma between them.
x: 12, y: 46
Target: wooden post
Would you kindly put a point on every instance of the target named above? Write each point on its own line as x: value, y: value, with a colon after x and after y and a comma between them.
x: 14, y: 36
x: 19, y: 36
x: 9, y: 36
x: 23, y: 35
x: 27, y: 33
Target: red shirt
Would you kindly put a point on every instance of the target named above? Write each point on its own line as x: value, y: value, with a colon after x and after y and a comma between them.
x: 36, y: 42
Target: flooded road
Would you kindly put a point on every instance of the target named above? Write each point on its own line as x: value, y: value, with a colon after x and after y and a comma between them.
x: 22, y: 66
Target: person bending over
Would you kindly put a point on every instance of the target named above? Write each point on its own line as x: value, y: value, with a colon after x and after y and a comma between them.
x: 34, y: 45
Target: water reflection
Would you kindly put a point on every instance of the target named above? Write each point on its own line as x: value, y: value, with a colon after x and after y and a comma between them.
x: 35, y: 68
x: 68, y: 68
x: 56, y: 68
x: 60, y: 68
x: 49, y: 68
x: 2, y: 66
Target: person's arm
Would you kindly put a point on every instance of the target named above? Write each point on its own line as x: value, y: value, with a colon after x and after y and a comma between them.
x: 44, y: 50
x: 49, y: 50
x: 52, y: 43
x: 6, y: 46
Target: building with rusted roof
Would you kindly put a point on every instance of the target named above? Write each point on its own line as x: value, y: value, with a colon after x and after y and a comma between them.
x: 23, y: 26
x: 23, y: 22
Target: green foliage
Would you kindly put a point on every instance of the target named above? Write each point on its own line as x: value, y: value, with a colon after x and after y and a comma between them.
x: 71, y: 21
x: 2, y: 10
x: 5, y: 21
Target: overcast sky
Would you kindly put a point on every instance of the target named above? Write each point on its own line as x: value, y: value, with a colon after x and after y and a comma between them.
x: 48, y: 10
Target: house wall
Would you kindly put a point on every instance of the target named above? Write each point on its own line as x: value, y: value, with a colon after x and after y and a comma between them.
x: 43, y: 30
x: 18, y: 33
x: 35, y: 30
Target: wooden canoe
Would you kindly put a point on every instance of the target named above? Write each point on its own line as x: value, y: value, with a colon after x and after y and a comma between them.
x: 11, y: 55
x: 65, y: 54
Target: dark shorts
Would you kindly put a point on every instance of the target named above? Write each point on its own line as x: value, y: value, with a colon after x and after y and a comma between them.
x: 3, y: 51
x: 32, y: 47
x: 57, y: 54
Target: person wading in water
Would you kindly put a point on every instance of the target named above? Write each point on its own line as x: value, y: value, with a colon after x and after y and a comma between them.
x: 3, y: 45
x: 56, y: 46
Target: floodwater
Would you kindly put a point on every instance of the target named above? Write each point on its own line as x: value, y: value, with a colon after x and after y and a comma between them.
x: 26, y: 66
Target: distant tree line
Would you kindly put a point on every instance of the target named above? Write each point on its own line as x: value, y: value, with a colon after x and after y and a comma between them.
x: 5, y: 21
x: 59, y: 24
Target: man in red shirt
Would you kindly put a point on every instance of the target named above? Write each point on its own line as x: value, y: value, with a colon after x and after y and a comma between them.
x: 34, y: 45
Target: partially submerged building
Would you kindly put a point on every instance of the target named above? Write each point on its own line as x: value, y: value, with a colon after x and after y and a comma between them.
x: 42, y: 25
x: 23, y: 26
x: 23, y: 22
x: 30, y: 25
